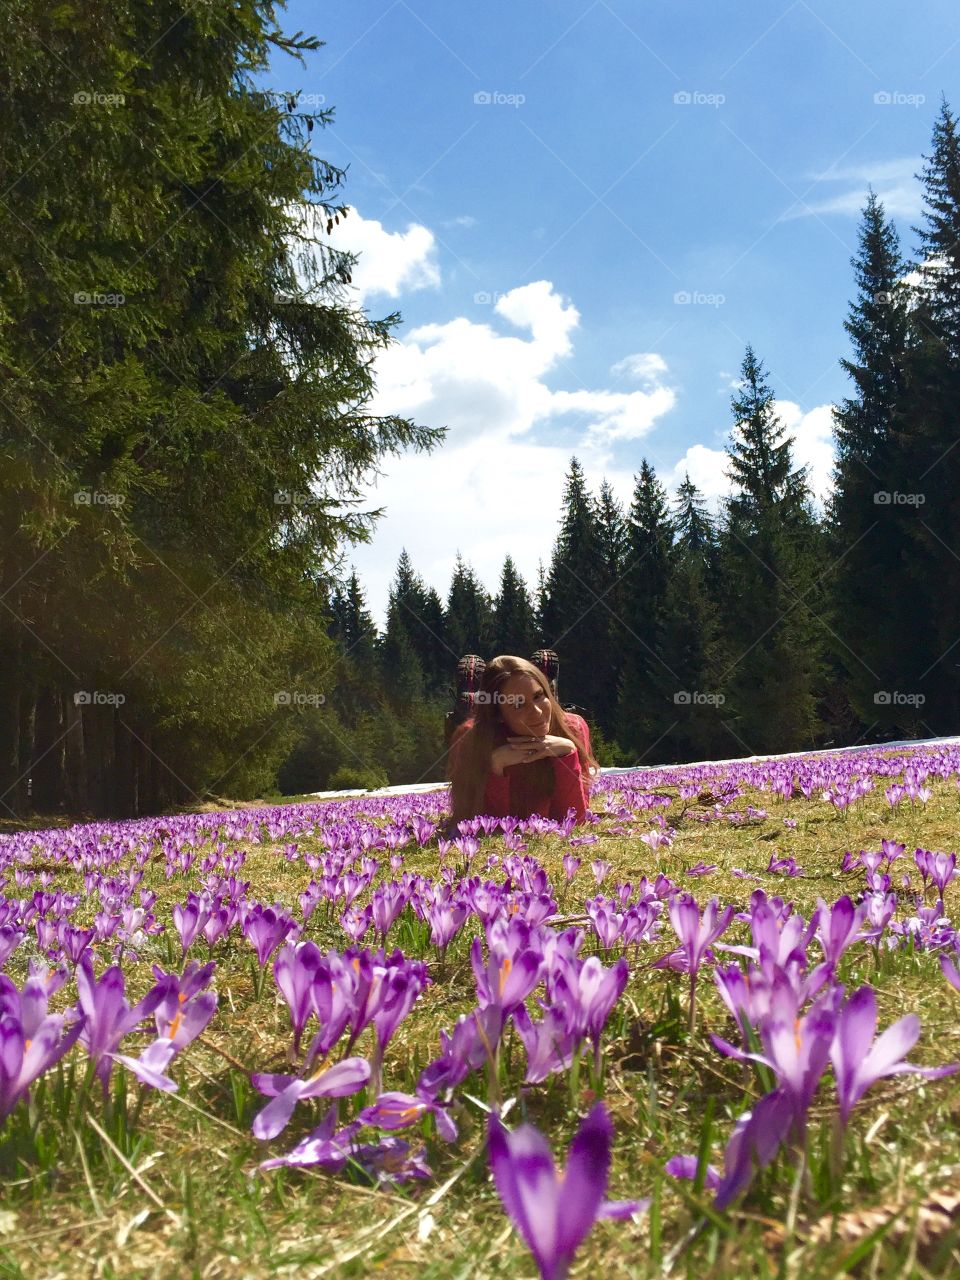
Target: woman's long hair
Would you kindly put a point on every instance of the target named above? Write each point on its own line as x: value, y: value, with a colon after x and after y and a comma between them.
x: 477, y: 740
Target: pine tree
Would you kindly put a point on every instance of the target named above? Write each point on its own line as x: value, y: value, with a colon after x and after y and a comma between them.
x: 692, y: 634
x: 694, y: 530
x: 574, y: 620
x: 613, y: 542
x: 513, y: 621
x: 648, y: 685
x: 925, y: 438
x: 157, y: 348
x: 770, y: 556
x: 469, y: 614
x: 355, y: 674
x: 420, y: 613
x: 872, y: 597
x: 401, y: 674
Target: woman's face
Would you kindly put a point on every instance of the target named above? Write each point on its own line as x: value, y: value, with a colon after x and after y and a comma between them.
x: 524, y: 706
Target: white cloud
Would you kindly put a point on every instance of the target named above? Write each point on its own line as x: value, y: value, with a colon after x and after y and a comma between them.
x: 486, y: 489
x: 892, y: 180
x: 706, y: 469
x: 645, y: 366
x: 811, y: 435
x: 389, y: 262
x: 614, y: 415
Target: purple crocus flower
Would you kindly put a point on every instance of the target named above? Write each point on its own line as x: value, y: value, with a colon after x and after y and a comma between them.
x: 858, y: 1061
x: 321, y: 1147
x: 587, y: 994
x: 31, y: 1040
x: 180, y: 1016
x: 571, y: 866
x: 892, y: 849
x: 397, y: 984
x: 696, y: 936
x: 294, y: 971
x: 474, y: 1041
x: 400, y: 1110
x: 686, y: 1167
x: 601, y: 869
x: 445, y: 920
x: 755, y: 1141
x: 554, y: 1213
x: 507, y: 978
x: 838, y: 926
x: 549, y: 1043
x: 943, y: 868
x: 348, y: 1076
x: 386, y: 903
x: 107, y: 1015
x: 265, y: 928
x: 796, y: 1049
x: 189, y: 918
x: 74, y: 941
x: 355, y: 921
x: 392, y: 1160
x: 10, y: 939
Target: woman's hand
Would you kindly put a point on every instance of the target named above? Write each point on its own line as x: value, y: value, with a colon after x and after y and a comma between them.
x: 526, y: 750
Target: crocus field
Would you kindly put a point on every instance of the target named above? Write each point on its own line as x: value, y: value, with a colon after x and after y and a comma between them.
x: 712, y: 1031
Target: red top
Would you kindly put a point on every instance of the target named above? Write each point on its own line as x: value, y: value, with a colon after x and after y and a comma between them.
x: 510, y: 795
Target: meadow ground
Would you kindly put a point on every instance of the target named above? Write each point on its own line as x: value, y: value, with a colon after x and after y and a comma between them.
x: 161, y: 1184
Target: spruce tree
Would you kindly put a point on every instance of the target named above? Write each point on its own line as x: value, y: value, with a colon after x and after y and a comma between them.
x: 468, y: 615
x: 770, y: 558
x: 354, y: 675
x: 926, y: 436
x: 873, y: 603
x: 648, y: 683
x: 175, y: 349
x: 694, y: 530
x: 574, y: 620
x: 613, y: 551
x: 514, y: 630
x: 692, y: 633
x: 401, y: 674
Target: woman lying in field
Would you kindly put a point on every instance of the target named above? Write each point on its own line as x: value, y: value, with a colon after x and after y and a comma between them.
x: 520, y: 753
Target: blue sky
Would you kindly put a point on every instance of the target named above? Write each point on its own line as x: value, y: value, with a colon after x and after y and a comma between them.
x: 537, y: 187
